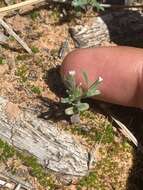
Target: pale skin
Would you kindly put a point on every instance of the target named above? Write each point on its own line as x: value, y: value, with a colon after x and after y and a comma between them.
x: 120, y: 67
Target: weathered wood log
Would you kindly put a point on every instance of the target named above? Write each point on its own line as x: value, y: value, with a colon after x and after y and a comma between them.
x: 122, y: 28
x: 54, y: 149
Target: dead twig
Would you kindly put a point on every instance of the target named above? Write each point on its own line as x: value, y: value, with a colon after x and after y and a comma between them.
x: 120, y: 6
x: 63, y: 48
x: 18, y: 187
x: 14, y: 7
x: 12, y: 33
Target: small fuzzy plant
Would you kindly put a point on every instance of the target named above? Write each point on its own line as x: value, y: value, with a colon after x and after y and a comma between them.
x: 76, y: 93
x: 85, y: 3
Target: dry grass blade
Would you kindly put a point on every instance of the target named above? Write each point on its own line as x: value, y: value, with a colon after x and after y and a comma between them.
x: 128, y: 134
x: 125, y: 131
x: 120, y: 6
x: 18, y: 187
x: 12, y: 33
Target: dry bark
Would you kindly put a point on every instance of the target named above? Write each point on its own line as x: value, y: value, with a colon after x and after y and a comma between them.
x: 122, y: 27
x: 55, y: 149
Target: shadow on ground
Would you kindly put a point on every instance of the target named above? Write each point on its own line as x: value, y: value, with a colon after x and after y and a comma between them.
x: 56, y: 109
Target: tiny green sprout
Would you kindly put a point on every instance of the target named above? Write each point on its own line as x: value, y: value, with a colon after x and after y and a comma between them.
x: 34, y: 49
x: 2, y: 61
x: 36, y: 90
x: 76, y: 93
x: 34, y: 15
x: 22, y: 73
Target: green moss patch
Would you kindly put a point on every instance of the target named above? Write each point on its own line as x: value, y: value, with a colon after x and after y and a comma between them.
x: 35, y: 169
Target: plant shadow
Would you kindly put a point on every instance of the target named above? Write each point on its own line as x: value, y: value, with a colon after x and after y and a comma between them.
x: 54, y: 81
x: 55, y: 108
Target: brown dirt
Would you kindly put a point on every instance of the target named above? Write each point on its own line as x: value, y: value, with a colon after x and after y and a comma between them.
x: 12, y: 111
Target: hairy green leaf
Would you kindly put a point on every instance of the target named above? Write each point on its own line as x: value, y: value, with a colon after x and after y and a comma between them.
x: 69, y: 111
x: 92, y: 92
x: 78, y: 92
x: 83, y: 107
x: 70, y: 83
x: 84, y: 3
x: 65, y: 100
x: 94, y: 3
x: 85, y: 78
x: 79, y: 3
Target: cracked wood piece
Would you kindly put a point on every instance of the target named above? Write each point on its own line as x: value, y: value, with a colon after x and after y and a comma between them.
x: 123, y: 28
x: 55, y: 149
x: 4, y: 184
x: 10, y: 181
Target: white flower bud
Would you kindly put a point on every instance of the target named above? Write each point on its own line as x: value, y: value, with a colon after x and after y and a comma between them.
x: 72, y: 73
x: 100, y: 79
